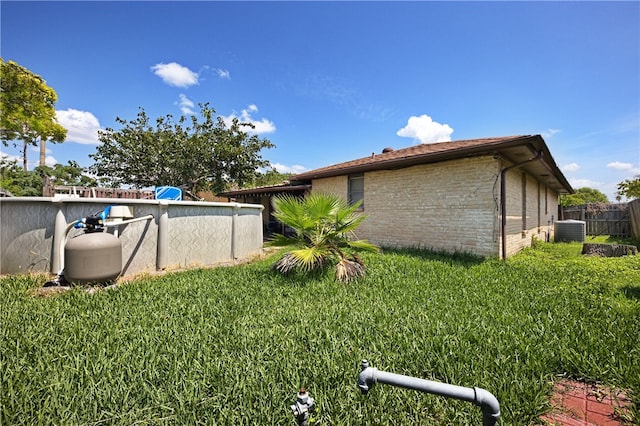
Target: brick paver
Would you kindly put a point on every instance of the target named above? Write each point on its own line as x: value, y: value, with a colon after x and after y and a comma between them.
x: 586, y: 404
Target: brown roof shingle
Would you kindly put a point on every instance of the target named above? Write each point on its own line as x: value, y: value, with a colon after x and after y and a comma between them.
x: 513, y: 148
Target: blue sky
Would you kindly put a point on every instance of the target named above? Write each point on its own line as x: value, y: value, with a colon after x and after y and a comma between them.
x: 328, y: 82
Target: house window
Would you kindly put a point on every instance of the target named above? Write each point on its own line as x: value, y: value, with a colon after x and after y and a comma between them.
x: 356, y: 189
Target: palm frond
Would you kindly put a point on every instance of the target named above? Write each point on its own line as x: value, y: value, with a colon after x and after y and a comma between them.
x: 324, y: 224
x: 289, y: 210
x: 307, y: 259
x: 364, y: 245
x: 279, y: 240
x: 347, y: 270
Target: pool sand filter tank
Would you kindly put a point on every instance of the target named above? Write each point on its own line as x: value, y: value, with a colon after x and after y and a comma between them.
x: 95, y: 256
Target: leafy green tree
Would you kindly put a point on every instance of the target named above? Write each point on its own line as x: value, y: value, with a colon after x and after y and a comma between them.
x: 23, y: 183
x: 323, y: 225
x: 19, y: 182
x: 584, y: 196
x: 201, y: 155
x: 67, y: 175
x: 629, y: 188
x: 28, y: 111
x: 269, y: 177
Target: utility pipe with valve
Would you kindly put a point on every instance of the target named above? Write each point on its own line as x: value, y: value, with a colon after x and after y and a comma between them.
x: 303, y: 407
x: 369, y: 376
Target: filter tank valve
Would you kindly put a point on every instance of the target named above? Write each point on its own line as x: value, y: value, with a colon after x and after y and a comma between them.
x: 303, y: 407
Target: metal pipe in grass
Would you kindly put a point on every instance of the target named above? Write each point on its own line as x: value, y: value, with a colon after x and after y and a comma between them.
x: 369, y: 376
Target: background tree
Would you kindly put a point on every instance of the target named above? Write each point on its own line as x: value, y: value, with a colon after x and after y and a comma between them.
x: 23, y: 183
x: 28, y: 111
x: 629, y: 188
x: 19, y: 182
x: 268, y: 178
x: 67, y: 175
x: 201, y: 155
x: 584, y: 196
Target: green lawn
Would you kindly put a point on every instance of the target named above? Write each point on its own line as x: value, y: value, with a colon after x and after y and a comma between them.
x: 231, y: 346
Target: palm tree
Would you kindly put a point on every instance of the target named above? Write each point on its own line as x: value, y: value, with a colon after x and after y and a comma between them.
x: 324, y: 225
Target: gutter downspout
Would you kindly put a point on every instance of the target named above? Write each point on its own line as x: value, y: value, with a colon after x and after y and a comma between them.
x: 503, y: 198
x: 369, y: 376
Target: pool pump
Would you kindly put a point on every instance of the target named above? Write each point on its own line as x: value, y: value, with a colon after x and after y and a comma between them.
x: 94, y: 256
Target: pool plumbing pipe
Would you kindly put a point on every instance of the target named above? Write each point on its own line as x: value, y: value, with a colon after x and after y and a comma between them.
x: 303, y: 407
x: 96, y: 223
x: 369, y: 376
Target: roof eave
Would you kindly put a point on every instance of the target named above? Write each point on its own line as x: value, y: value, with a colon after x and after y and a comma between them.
x: 534, y: 142
x: 396, y: 163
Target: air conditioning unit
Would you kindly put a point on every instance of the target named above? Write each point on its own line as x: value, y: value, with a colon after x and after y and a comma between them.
x: 567, y: 231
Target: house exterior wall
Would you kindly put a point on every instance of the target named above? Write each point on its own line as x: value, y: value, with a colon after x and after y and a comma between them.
x: 451, y: 206
x: 430, y: 206
x: 338, y: 185
x: 530, y: 210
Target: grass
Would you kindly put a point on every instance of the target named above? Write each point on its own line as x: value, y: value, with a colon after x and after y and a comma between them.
x: 231, y: 346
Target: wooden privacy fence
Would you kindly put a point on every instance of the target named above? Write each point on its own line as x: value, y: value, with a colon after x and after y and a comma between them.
x: 633, y: 211
x: 604, y: 219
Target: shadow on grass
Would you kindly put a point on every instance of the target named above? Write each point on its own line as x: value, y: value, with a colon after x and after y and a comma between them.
x: 457, y: 258
x: 299, y: 278
x: 631, y: 292
x: 624, y: 240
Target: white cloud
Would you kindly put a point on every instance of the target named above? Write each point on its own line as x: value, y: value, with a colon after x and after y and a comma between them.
x: 9, y: 157
x: 175, y: 74
x: 186, y: 105
x: 584, y: 183
x: 573, y: 167
x: 549, y: 133
x: 224, y: 74
x: 261, y: 126
x: 295, y: 169
x: 425, y: 130
x: 82, y: 126
x: 620, y: 166
x: 50, y: 161
x: 624, y: 167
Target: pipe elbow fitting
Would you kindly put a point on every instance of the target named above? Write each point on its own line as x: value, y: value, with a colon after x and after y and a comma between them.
x: 367, y: 377
x: 489, y: 404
